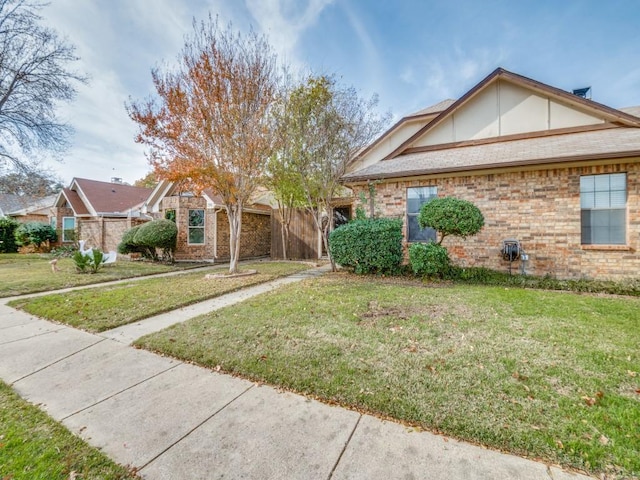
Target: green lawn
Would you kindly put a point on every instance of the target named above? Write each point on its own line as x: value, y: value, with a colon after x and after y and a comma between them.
x: 103, y: 308
x: 21, y: 274
x: 548, y: 375
x: 34, y: 447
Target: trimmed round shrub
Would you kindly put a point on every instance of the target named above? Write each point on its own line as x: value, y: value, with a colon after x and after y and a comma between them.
x: 35, y: 233
x: 429, y: 259
x: 8, y: 228
x: 372, y: 245
x: 147, y: 238
x: 451, y: 216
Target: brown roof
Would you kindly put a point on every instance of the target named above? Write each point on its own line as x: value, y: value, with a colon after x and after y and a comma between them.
x: 75, y: 201
x: 107, y: 197
x: 590, y: 145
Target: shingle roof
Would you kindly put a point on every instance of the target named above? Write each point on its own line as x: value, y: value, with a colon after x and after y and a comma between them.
x: 597, y: 144
x: 10, y: 202
x: 106, y: 197
x: 436, y: 108
x: 76, y: 202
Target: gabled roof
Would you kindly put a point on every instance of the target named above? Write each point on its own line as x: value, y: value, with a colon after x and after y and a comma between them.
x: 437, y: 108
x: 608, y: 113
x: 95, y: 198
x: 10, y: 203
x: 635, y: 111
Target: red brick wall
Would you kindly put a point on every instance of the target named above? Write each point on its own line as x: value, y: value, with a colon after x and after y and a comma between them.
x: 105, y: 233
x: 541, y: 209
x: 182, y: 205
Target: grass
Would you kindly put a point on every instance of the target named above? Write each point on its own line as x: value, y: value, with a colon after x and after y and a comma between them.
x: 104, y: 308
x: 22, y: 274
x: 548, y: 375
x: 35, y: 447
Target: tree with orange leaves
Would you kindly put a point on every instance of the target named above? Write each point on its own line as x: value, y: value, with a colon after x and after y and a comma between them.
x: 210, y: 125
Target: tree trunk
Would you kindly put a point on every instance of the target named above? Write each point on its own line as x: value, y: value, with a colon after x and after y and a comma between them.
x: 234, y: 214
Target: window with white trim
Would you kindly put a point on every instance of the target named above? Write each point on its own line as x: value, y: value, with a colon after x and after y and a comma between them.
x: 68, y: 229
x: 416, y: 197
x: 196, y: 227
x: 603, y: 205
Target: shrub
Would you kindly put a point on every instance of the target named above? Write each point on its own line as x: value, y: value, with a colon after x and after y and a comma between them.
x: 81, y: 261
x: 35, y: 233
x: 372, y: 245
x: 429, y: 260
x: 451, y: 216
x: 8, y: 228
x: 146, y: 238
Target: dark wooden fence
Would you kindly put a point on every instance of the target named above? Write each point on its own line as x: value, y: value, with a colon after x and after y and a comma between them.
x: 303, y: 236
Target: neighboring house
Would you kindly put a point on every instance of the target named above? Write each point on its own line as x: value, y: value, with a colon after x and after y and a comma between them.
x: 97, y: 212
x: 25, y: 208
x: 555, y: 171
x: 203, y: 227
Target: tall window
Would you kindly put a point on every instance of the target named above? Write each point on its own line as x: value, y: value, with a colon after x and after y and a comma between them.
x: 196, y: 227
x: 68, y: 229
x: 416, y: 197
x: 603, y: 203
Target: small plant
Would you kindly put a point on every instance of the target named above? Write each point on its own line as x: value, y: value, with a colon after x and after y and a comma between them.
x: 372, y: 245
x: 81, y: 261
x: 90, y: 261
x: 429, y: 260
x: 64, y: 251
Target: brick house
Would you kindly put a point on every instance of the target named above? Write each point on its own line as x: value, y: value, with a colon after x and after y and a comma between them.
x: 97, y: 212
x: 552, y: 170
x: 203, y: 227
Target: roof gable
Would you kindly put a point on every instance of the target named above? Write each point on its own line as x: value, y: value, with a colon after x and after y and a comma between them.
x: 506, y: 104
x: 104, y: 197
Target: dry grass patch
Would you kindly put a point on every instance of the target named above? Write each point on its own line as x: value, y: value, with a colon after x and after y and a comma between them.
x: 542, y: 374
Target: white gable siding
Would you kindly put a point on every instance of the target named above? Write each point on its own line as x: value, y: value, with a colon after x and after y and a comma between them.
x: 389, y: 144
x: 503, y: 108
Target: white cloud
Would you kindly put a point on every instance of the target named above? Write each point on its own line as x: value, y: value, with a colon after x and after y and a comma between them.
x: 284, y: 21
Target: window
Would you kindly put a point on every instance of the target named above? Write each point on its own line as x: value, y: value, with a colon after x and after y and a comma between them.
x: 53, y: 222
x: 416, y: 197
x: 68, y: 229
x: 170, y: 215
x: 196, y: 227
x: 341, y: 216
x: 603, y: 204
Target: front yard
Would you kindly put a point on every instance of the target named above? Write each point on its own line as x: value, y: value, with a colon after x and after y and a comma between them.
x: 33, y: 446
x: 548, y: 375
x: 102, y: 308
x: 21, y: 274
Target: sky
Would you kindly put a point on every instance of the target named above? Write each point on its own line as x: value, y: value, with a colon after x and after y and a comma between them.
x: 411, y: 53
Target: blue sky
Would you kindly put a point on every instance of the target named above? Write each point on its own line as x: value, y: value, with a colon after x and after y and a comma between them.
x: 412, y: 53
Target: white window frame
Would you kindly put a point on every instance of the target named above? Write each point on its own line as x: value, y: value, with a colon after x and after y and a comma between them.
x: 64, y: 230
x: 193, y: 227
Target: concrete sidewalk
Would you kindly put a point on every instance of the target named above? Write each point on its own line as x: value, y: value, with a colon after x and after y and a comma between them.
x: 173, y: 420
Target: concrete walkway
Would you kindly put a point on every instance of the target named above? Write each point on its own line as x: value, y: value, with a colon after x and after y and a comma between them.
x: 173, y: 420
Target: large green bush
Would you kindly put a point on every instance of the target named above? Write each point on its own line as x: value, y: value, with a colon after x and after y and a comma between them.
x: 8, y: 228
x: 429, y: 260
x: 146, y: 238
x: 372, y: 245
x: 35, y: 233
x: 451, y: 216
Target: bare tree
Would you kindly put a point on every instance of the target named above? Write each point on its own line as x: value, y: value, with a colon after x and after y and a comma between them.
x: 211, y: 124
x: 34, y: 183
x: 34, y: 77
